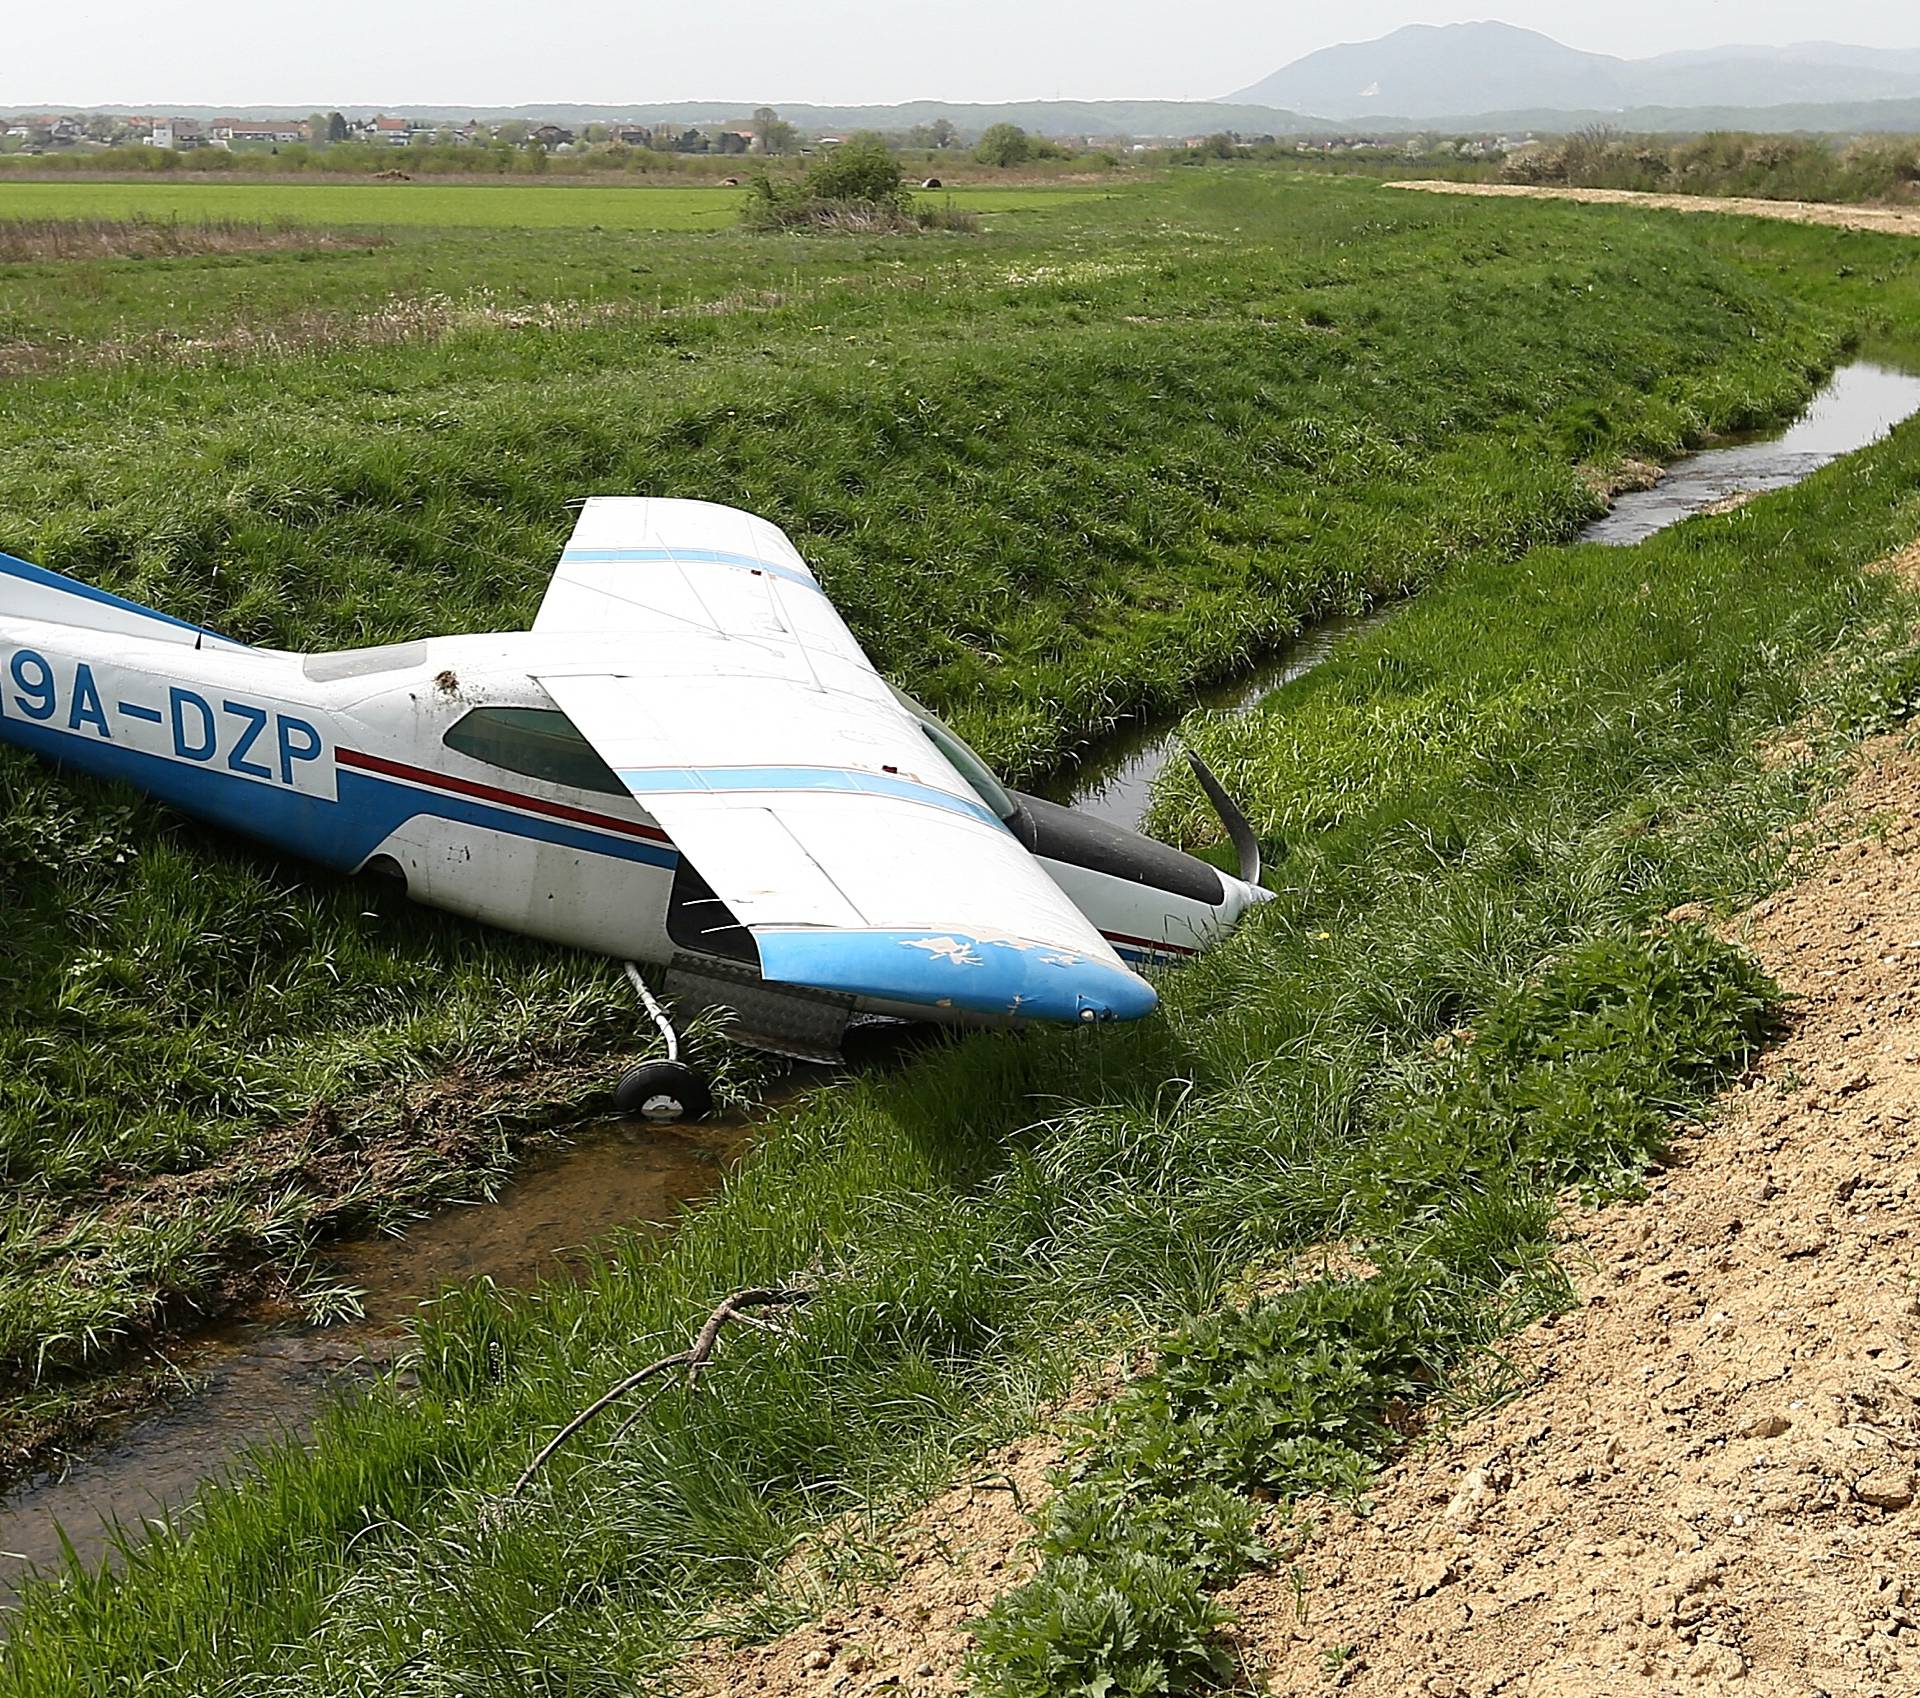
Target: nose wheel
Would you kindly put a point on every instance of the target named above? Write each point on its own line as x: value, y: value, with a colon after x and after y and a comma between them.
x: 662, y: 1091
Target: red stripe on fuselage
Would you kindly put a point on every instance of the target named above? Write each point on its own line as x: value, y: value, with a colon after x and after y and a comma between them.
x: 487, y: 793
x: 606, y: 822
x: 1159, y: 946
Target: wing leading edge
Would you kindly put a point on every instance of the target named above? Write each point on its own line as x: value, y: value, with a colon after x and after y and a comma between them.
x: 756, y: 731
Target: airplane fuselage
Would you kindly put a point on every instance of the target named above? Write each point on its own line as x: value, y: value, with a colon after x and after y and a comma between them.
x: 444, y: 763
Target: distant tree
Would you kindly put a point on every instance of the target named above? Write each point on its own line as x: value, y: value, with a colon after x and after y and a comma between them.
x: 772, y: 133
x: 1221, y: 145
x: 1004, y: 145
x: 336, y: 128
x: 944, y: 134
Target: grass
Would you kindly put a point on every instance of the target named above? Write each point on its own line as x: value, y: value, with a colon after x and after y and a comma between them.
x: 641, y: 208
x: 1353, y: 402
x: 1357, y: 400
x: 986, y: 1219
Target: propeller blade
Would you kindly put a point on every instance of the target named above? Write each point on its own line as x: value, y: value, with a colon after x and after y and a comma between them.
x: 1245, y: 845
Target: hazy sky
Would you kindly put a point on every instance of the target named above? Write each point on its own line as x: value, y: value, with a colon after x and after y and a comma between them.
x: 505, y: 52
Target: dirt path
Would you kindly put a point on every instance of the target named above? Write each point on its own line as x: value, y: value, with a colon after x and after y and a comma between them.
x: 1708, y: 1482
x: 1891, y: 220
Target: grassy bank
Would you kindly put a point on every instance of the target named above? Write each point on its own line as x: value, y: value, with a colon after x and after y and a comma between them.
x: 1252, y: 401
x: 981, y: 1223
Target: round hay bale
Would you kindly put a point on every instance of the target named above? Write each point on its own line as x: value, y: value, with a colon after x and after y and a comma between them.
x: 932, y: 183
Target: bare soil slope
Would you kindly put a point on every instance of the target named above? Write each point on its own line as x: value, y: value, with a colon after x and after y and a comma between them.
x: 1893, y: 221
x: 1708, y: 1482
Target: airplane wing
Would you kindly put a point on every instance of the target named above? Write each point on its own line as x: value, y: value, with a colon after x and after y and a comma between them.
x: 753, y: 727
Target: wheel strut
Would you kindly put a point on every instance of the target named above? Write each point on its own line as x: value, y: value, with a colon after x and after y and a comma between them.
x: 651, y: 1003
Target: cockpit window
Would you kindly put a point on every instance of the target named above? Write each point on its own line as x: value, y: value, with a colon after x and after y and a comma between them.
x: 964, y: 761
x: 536, y: 742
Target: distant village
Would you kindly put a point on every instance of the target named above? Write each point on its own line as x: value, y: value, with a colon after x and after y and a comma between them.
x: 82, y: 133
x: 93, y: 132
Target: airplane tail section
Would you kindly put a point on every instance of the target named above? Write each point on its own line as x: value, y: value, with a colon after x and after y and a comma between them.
x: 32, y: 592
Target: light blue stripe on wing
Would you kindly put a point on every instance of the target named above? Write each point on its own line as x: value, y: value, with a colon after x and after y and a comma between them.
x: 952, y: 970
x: 720, y: 780
x: 694, y: 556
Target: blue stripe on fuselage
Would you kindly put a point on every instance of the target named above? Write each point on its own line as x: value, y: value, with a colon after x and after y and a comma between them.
x: 338, y: 834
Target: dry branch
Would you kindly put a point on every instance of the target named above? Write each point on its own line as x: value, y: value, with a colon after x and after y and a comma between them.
x: 694, y: 1359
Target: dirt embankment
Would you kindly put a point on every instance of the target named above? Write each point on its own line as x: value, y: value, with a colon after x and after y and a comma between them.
x: 1891, y: 220
x: 1708, y: 1482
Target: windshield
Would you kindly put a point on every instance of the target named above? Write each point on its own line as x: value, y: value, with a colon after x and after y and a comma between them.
x: 964, y: 761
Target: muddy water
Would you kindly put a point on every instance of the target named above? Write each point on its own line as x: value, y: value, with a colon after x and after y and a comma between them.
x: 1115, y: 781
x: 1861, y: 403
x: 266, y: 1378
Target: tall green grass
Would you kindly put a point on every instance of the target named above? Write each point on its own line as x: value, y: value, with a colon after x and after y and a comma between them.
x: 1053, y: 475
x: 982, y: 1222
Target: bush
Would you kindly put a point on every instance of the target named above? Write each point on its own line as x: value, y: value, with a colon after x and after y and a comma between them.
x: 856, y: 187
x: 1208, y: 1529
x: 861, y: 168
x: 1723, y: 162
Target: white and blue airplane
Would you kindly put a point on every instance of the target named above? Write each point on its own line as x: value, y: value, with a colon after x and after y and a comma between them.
x: 688, y: 761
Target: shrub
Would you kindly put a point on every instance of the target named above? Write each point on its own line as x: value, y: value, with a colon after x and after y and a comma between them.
x: 861, y: 168
x: 856, y: 186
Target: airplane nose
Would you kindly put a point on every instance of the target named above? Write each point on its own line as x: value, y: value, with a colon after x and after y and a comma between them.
x: 1118, y: 998
x: 1241, y: 899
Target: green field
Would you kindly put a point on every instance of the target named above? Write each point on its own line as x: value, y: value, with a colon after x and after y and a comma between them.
x: 1054, y: 473
x: 448, y: 206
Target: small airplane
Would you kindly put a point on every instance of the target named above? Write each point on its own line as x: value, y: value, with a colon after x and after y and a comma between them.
x: 688, y: 761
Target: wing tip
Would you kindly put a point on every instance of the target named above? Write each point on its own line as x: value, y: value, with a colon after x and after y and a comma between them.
x: 942, y: 970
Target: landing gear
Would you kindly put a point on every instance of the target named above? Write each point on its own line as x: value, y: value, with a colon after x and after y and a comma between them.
x: 662, y: 1091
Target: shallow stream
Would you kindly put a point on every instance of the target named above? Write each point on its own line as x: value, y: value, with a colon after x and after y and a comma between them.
x: 259, y: 1379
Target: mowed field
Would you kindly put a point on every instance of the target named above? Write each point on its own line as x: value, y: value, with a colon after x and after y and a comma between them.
x: 487, y: 206
x: 1054, y: 473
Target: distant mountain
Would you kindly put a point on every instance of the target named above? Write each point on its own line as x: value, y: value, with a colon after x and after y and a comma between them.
x: 1427, y: 71
x: 1145, y: 119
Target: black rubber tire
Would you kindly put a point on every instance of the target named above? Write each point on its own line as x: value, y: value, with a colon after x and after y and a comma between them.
x: 663, y: 1092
